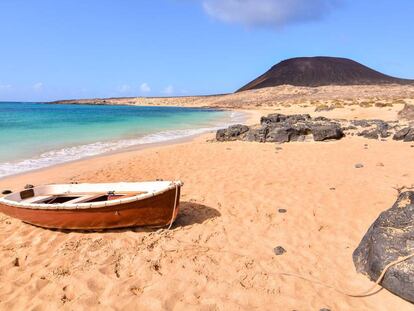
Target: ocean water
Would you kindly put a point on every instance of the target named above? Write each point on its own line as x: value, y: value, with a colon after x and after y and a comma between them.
x: 37, y: 135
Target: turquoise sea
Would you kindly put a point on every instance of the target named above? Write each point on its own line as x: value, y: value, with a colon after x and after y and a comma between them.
x: 37, y: 135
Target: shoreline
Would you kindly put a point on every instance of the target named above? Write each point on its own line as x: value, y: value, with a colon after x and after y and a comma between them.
x: 135, y: 148
x: 247, y: 118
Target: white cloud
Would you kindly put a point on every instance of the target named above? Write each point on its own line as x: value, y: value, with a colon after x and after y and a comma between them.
x: 5, y: 87
x: 124, y: 88
x: 169, y: 90
x: 268, y: 13
x: 145, y: 88
x: 38, y: 86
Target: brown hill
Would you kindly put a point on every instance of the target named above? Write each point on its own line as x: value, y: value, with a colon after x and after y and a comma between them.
x: 320, y: 71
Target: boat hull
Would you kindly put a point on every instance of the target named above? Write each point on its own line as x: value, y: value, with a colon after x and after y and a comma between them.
x: 155, y: 211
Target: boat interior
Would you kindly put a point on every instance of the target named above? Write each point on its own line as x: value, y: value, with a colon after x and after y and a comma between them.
x: 77, y: 198
x: 85, y: 193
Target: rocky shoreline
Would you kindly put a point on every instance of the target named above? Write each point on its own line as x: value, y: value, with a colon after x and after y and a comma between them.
x: 280, y: 128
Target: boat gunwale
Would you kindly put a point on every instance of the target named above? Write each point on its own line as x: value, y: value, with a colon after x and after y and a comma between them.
x: 94, y: 205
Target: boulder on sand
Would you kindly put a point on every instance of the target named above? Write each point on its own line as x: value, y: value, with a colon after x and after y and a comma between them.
x: 257, y: 134
x: 231, y: 133
x: 287, y: 133
x: 370, y: 134
x: 327, y: 131
x: 390, y: 238
x: 406, y: 134
x: 281, y: 135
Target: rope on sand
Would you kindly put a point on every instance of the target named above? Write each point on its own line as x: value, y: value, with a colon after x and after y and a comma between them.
x: 369, y: 292
x: 175, y: 206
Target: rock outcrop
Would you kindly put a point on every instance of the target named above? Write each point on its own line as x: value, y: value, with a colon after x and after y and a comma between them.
x: 327, y: 131
x: 232, y: 132
x: 374, y: 128
x: 389, y: 238
x: 406, y: 134
x: 280, y: 128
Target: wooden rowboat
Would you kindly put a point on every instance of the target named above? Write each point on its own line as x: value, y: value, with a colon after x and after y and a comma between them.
x: 96, y: 206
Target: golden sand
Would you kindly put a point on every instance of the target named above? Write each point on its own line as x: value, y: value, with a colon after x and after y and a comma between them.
x: 219, y: 255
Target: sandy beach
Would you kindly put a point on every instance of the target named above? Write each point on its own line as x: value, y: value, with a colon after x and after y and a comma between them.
x: 211, y: 155
x: 219, y: 253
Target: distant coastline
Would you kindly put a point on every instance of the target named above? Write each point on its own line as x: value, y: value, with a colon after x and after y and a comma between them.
x: 265, y: 97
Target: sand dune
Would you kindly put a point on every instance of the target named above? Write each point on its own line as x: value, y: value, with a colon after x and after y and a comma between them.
x: 219, y: 255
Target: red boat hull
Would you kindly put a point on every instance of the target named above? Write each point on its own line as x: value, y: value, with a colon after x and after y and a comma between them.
x: 156, y: 211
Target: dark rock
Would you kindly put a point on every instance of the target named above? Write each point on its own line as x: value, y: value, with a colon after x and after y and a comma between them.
x: 410, y: 136
x: 272, y: 119
x: 401, y: 133
x: 406, y: 134
x: 279, y: 250
x: 382, y: 128
x: 385, y: 134
x: 349, y: 128
x: 324, y: 309
x: 28, y: 186
x: 282, y: 128
x: 295, y: 118
x: 6, y: 192
x: 327, y: 131
x: 287, y: 133
x: 280, y: 135
x: 282, y: 210
x: 256, y: 134
x: 370, y: 134
x: 359, y: 165
x: 389, y: 238
x: 231, y: 133
x: 302, y: 129
x: 361, y: 123
x: 321, y: 119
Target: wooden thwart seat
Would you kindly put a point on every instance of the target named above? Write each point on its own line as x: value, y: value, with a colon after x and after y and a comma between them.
x: 78, y: 198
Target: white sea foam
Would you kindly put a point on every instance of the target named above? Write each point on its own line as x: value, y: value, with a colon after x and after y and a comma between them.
x: 68, y: 154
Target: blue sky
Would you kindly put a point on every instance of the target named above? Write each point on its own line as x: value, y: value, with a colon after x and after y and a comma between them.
x: 101, y: 48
